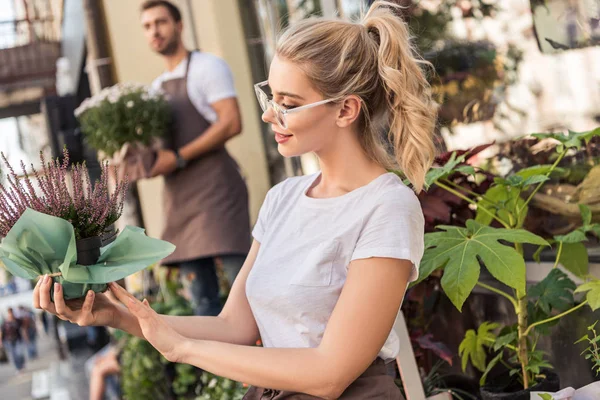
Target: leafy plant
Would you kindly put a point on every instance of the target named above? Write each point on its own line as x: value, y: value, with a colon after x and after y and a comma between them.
x: 61, y: 192
x: 593, y: 352
x: 461, y: 252
x: 124, y: 113
x: 435, y: 382
x: 148, y: 375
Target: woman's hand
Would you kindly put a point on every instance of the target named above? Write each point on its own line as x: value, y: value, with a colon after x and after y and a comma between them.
x: 161, y: 335
x: 96, y: 309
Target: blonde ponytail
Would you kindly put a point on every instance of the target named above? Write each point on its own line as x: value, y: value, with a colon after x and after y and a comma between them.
x: 412, y: 110
x: 375, y: 61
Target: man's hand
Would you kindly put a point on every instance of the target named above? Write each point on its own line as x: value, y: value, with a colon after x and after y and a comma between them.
x: 166, y: 163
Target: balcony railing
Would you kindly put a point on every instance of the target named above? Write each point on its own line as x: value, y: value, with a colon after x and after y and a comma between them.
x: 28, y: 53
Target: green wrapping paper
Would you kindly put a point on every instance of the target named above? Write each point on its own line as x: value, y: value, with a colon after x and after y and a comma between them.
x: 40, y: 244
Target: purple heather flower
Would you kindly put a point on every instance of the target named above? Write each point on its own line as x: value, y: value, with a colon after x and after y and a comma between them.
x: 64, y: 193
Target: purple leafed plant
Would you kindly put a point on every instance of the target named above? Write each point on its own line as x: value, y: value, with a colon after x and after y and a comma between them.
x: 69, y: 195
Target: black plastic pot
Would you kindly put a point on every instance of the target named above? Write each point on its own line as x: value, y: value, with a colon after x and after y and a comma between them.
x: 88, y: 249
x: 504, y: 389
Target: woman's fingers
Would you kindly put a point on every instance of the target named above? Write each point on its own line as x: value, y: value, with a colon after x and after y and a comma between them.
x: 133, y: 304
x: 121, y: 294
x: 62, y: 310
x: 45, y: 302
x: 87, y: 317
x: 36, y: 294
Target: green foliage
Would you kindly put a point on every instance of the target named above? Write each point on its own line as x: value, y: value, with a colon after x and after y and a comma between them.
x: 458, y: 251
x: 474, y: 344
x: 555, y: 291
x: 504, y: 202
x: 592, y: 352
x: 571, y: 140
x: 145, y: 372
x: 122, y: 114
x: 593, y: 293
x: 216, y: 387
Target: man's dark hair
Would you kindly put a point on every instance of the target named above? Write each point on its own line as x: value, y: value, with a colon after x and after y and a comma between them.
x: 173, y: 10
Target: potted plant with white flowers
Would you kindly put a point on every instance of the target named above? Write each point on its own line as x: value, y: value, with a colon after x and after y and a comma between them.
x: 125, y: 123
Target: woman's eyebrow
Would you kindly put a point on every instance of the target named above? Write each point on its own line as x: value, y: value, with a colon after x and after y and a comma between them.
x: 288, y: 94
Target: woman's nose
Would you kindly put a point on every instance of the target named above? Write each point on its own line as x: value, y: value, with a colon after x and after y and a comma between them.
x: 268, y: 115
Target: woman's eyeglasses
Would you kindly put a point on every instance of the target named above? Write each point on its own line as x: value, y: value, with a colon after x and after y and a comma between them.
x: 280, y: 112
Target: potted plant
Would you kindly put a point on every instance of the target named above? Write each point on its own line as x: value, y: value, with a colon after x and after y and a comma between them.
x: 461, y: 251
x: 56, y: 222
x: 125, y: 124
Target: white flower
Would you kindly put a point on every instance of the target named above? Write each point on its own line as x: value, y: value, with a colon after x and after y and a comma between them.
x: 130, y: 104
x: 139, y: 130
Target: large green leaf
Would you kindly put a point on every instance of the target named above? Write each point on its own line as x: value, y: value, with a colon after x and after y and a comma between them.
x: 541, y: 170
x: 473, y: 345
x: 555, y: 291
x: 593, y: 293
x: 574, y: 257
x: 458, y: 251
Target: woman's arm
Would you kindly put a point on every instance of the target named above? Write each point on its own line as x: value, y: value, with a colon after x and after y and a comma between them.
x: 235, y: 324
x: 358, y: 328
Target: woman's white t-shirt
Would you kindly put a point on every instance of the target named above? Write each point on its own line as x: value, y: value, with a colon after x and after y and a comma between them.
x: 307, y: 245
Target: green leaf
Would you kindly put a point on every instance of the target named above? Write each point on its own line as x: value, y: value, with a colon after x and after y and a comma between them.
x: 541, y: 170
x: 586, y: 214
x: 458, y: 251
x: 593, y: 293
x: 576, y: 236
x: 503, y: 201
x: 503, y: 340
x: 489, y: 367
x: 466, y: 169
x: 545, y: 396
x: 573, y: 139
x: 574, y: 257
x: 435, y: 174
x: 473, y: 345
x: 535, y: 179
x: 513, y: 180
x: 521, y: 182
x: 555, y: 291
x: 582, y: 339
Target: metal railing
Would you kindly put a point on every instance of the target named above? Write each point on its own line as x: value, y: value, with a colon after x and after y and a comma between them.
x: 28, y: 51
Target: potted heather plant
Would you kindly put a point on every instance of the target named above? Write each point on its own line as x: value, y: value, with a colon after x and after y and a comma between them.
x: 460, y: 252
x: 125, y: 123
x: 56, y: 222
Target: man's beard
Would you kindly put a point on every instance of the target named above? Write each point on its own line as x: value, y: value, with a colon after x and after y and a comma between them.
x: 170, y: 48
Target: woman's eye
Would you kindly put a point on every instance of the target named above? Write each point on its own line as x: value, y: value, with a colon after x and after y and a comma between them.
x: 288, y: 106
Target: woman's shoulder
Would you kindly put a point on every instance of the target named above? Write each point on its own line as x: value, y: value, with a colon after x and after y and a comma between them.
x: 392, y: 192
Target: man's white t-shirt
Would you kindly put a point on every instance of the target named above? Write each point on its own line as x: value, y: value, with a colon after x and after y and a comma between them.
x: 209, y: 80
x: 307, y: 245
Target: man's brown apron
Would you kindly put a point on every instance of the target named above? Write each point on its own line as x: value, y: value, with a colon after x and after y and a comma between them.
x: 205, y: 203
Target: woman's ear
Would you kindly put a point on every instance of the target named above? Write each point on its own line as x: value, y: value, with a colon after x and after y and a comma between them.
x: 349, y: 111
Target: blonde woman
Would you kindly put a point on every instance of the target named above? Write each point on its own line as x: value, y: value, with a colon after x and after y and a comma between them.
x: 333, y: 252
